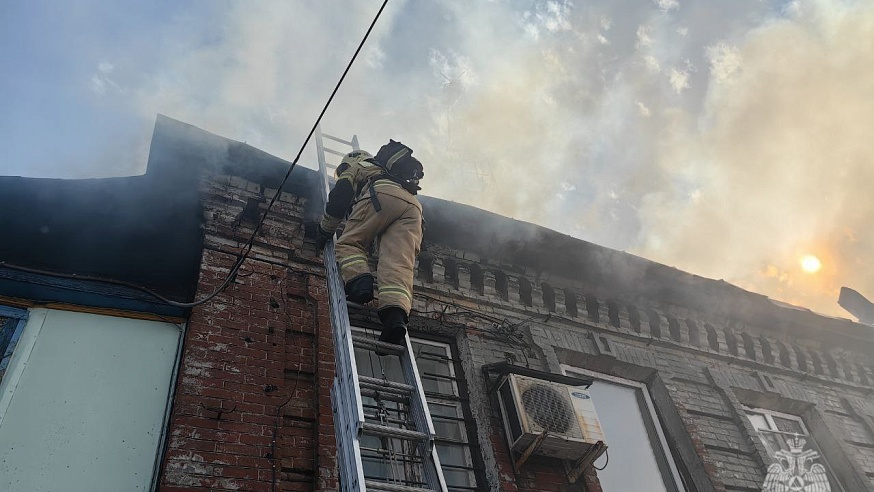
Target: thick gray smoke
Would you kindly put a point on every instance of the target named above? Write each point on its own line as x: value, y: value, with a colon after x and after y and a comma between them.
x: 727, y: 139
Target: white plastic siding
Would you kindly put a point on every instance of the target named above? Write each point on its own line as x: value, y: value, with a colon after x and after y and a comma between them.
x: 83, y: 403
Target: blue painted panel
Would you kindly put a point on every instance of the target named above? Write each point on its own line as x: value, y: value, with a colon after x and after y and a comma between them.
x: 43, y: 288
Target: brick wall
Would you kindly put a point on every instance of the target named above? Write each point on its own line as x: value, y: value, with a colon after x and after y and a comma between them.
x: 252, y: 409
x: 710, y: 366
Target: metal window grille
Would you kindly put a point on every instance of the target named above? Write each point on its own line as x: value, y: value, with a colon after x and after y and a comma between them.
x: 395, y: 460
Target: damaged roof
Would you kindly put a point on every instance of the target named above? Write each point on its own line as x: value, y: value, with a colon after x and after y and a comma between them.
x: 146, y: 230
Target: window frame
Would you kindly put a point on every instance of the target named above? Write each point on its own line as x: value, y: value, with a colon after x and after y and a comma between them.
x: 664, y: 457
x: 30, y: 330
x: 12, y: 313
x: 463, y: 416
x: 769, y: 418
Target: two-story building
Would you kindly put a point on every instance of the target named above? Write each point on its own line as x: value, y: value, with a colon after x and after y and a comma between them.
x: 698, y: 385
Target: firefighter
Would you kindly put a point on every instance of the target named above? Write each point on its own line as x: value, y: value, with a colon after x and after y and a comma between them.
x: 381, y: 193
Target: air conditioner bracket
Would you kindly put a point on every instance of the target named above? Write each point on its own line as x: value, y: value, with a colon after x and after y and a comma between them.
x: 531, y: 449
x: 592, y: 453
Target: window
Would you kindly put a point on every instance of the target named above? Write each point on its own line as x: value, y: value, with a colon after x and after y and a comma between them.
x: 11, y: 325
x: 783, y: 435
x: 393, y: 459
x: 637, y: 458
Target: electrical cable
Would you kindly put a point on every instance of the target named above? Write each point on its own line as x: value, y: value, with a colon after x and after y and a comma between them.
x: 607, y: 456
x: 244, y: 252
x: 503, y: 327
x: 247, y: 248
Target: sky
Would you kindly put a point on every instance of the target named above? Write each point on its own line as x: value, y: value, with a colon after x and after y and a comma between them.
x: 727, y: 138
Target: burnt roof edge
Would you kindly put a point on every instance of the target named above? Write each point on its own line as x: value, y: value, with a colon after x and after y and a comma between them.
x: 508, y: 240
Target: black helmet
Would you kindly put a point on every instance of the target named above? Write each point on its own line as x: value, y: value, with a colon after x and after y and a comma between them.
x: 392, y: 153
x: 400, y: 165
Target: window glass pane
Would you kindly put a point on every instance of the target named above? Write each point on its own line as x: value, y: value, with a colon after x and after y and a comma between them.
x: 446, y: 423
x: 455, y: 456
x: 451, y: 454
x: 773, y: 442
x: 629, y: 444
x: 786, y: 425
x: 7, y: 327
x: 7, y: 342
x: 434, y: 368
x: 759, y: 421
x: 369, y: 364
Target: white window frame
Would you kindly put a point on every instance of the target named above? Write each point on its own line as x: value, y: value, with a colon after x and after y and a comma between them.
x: 442, y: 400
x: 769, y: 418
x: 654, y: 424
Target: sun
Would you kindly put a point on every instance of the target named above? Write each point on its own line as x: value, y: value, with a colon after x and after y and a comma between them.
x: 810, y: 264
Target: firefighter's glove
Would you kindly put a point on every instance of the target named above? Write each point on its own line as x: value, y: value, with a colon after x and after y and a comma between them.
x: 322, y: 238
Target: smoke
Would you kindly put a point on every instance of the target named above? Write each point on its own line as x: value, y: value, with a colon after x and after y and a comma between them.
x: 724, y: 138
x: 781, y: 161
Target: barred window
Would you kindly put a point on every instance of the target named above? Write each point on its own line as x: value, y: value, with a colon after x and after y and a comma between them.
x: 395, y: 460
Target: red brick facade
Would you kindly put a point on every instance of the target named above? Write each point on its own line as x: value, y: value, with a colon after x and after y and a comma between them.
x: 252, y: 410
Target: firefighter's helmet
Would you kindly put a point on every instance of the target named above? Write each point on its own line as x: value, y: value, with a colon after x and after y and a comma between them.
x: 354, y: 157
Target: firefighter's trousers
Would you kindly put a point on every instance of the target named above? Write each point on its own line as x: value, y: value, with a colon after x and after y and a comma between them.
x: 398, y: 229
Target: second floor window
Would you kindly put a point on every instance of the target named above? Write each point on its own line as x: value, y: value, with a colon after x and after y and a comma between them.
x: 394, y: 459
x: 635, y: 440
x: 796, y: 460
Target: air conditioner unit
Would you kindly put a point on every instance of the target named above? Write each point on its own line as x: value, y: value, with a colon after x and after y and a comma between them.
x: 529, y: 406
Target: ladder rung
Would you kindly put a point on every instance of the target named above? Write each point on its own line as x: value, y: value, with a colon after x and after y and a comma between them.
x: 382, y: 395
x: 337, y: 139
x: 369, y: 343
x: 335, y: 152
x: 391, y: 487
x: 381, y: 384
x: 386, y: 431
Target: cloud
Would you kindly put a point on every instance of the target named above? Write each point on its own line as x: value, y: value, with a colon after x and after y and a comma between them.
x: 679, y: 79
x: 783, y: 161
x: 644, y: 110
x: 644, y: 36
x: 101, y: 83
x: 667, y: 5
x: 589, y: 117
x: 724, y: 60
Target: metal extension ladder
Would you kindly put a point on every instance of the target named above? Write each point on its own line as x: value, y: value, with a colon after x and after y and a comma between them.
x: 349, y: 387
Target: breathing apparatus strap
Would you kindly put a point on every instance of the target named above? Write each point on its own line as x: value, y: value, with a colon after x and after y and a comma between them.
x: 373, y: 199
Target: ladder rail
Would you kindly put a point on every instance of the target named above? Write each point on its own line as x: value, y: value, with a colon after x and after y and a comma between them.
x: 346, y: 395
x: 347, y: 405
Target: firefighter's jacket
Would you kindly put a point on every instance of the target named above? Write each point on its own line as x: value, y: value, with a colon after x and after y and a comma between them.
x: 397, y: 226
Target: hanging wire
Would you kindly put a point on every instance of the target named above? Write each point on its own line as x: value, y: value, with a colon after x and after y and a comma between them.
x: 607, y: 456
x: 247, y: 247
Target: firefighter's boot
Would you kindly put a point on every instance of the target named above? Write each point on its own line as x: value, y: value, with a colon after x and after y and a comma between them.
x: 394, y: 326
x: 360, y: 289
